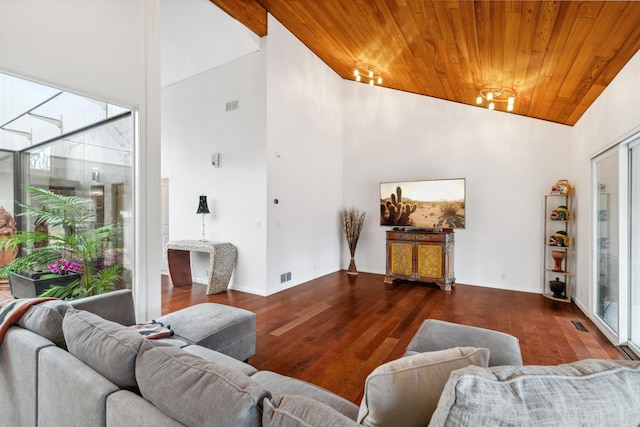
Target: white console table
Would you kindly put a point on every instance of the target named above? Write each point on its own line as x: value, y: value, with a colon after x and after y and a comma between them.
x: 222, y: 260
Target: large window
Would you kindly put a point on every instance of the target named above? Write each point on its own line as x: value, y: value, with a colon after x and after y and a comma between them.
x: 95, y: 163
x: 70, y: 145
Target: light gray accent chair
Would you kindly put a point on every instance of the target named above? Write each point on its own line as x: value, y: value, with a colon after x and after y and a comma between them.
x: 433, y: 335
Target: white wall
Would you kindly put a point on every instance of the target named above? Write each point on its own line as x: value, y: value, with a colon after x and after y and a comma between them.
x: 304, y: 162
x: 195, y: 125
x: 198, y: 36
x: 609, y: 120
x: 105, y: 49
x: 508, y: 161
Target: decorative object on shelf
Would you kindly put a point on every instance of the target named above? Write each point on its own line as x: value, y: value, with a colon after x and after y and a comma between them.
x: 562, y: 186
x: 352, y: 220
x: 557, y: 237
x: 368, y: 74
x: 560, y: 239
x: 603, y: 215
x: 603, y: 242
x: 558, y: 287
x: 203, y: 209
x: 561, y: 213
x: 558, y: 257
x: 495, y: 94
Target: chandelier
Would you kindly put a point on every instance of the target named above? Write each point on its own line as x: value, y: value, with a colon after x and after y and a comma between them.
x: 494, y: 94
x: 364, y: 72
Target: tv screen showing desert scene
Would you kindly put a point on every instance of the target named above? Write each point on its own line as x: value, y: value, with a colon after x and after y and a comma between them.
x: 423, y: 204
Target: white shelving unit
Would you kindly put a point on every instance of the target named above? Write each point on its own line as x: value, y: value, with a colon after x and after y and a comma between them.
x: 551, y: 226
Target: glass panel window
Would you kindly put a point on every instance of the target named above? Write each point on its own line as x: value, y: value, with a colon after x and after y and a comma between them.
x: 634, y: 256
x: 606, y: 244
x: 94, y: 163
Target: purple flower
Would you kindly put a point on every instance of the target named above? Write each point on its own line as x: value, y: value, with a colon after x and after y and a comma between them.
x: 63, y: 266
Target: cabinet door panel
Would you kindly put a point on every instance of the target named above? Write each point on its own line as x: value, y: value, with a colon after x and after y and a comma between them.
x: 430, y: 261
x: 402, y: 258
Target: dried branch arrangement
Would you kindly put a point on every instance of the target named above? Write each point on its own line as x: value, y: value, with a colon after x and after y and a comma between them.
x: 352, y: 220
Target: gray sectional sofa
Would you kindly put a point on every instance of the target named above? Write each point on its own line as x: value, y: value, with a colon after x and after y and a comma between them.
x: 77, y: 365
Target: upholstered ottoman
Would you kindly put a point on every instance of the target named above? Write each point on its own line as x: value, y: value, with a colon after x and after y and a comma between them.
x: 225, y: 329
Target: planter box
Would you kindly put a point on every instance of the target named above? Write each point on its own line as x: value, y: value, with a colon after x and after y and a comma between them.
x: 26, y: 287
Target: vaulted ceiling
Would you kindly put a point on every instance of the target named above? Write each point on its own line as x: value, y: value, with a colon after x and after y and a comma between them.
x: 558, y: 56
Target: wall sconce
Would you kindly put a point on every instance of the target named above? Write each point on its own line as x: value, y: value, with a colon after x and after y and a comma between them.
x: 215, y: 160
x: 203, y: 209
x: 95, y: 176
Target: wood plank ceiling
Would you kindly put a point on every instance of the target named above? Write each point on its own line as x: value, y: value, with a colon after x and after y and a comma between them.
x: 558, y: 56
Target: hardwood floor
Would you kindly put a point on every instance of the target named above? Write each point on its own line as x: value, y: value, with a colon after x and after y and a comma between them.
x: 334, y: 330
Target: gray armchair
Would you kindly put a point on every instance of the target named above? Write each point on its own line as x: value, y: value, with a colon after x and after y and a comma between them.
x: 433, y: 335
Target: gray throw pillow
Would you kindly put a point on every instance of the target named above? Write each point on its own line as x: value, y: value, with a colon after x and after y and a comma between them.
x: 106, y: 346
x: 45, y: 319
x: 301, y: 411
x: 197, y: 392
x: 405, y: 392
x: 588, y: 392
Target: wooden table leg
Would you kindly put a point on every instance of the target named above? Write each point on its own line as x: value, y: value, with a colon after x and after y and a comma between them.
x: 179, y: 263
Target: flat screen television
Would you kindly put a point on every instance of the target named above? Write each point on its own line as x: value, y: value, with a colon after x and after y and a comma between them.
x: 435, y: 203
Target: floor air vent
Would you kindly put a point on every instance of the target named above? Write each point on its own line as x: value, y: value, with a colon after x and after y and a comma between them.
x: 579, y: 326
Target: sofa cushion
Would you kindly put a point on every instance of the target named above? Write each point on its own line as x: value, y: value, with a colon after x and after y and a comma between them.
x: 106, y: 346
x: 197, y: 392
x: 45, y: 319
x: 301, y: 411
x: 588, y: 392
x: 281, y: 385
x: 406, y: 391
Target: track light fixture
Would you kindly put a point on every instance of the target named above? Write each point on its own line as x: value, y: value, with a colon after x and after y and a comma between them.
x: 367, y: 74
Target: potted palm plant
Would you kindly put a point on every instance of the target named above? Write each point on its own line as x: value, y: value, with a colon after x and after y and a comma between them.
x: 67, y: 262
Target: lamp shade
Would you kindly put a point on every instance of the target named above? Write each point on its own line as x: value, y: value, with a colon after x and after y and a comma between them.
x: 203, y: 208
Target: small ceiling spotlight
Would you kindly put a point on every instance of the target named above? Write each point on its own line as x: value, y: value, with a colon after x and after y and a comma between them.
x: 367, y: 74
x: 493, y: 95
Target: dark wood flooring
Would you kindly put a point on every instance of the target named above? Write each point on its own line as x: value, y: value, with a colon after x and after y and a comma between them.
x: 334, y: 330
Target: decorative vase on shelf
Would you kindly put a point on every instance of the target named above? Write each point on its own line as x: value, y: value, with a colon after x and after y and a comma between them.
x: 558, y: 257
x: 558, y: 288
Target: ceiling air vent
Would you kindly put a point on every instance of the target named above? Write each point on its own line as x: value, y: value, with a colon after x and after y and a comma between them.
x: 231, y: 105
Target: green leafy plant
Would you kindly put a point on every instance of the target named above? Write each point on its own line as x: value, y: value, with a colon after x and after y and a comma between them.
x: 75, y: 242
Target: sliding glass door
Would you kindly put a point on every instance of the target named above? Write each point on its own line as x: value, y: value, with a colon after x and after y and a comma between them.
x: 606, y: 243
x: 634, y: 250
x: 616, y: 242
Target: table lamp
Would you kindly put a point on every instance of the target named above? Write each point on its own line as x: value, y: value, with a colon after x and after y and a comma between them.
x: 203, y: 209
